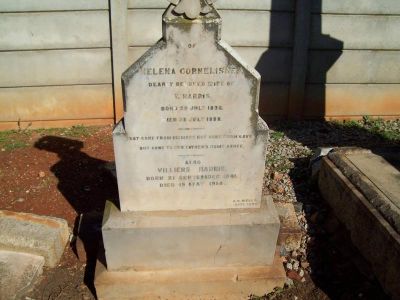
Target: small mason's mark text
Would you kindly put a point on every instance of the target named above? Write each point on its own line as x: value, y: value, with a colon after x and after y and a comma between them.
x: 245, y: 203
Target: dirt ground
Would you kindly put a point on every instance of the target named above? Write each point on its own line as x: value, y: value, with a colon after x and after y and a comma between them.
x: 63, y: 173
x: 59, y: 173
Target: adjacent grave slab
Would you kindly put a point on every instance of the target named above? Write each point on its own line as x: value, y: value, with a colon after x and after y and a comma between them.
x: 39, y: 235
x: 191, y: 137
x: 355, y: 184
x: 376, y: 177
x: 18, y: 273
x: 225, y: 283
x: 190, y: 239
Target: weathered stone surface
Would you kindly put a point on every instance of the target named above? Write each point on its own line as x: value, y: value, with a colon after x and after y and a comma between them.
x: 190, y: 239
x: 39, y: 235
x: 381, y: 173
x: 191, y: 137
x: 375, y: 177
x: 376, y: 239
x: 290, y: 233
x: 226, y: 283
x: 18, y: 272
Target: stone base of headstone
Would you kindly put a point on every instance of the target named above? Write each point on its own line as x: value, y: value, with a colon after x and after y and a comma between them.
x: 189, y: 254
x: 209, y: 283
x: 190, y: 239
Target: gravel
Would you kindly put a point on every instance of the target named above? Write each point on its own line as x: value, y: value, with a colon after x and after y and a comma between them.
x: 288, y: 179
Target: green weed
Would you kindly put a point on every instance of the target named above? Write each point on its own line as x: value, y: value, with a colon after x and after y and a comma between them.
x: 78, y: 131
x: 15, y: 139
x: 49, y: 131
x: 389, y: 130
x: 4, y: 136
x: 74, y: 131
x: 12, y: 139
x: 276, y: 135
x: 252, y: 297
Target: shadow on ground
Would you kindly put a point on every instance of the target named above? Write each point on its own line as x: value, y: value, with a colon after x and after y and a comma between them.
x: 87, y: 184
x: 337, y: 267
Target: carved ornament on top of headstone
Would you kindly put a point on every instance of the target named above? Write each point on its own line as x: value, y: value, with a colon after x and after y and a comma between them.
x: 192, y: 9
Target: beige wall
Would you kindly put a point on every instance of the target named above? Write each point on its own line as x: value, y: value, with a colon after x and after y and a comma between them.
x: 57, y: 64
x: 365, y: 78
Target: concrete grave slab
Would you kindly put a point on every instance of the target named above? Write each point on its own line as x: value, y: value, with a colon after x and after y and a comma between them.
x: 353, y: 182
x: 382, y: 174
x: 375, y: 177
x: 29, y: 233
x: 18, y: 273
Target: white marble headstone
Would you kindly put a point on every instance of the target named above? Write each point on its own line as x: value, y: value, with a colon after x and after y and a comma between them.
x: 191, y: 137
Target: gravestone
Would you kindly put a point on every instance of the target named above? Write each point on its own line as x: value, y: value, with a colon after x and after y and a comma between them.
x: 190, y: 156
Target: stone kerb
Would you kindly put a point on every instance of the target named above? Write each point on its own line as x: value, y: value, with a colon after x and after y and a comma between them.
x: 29, y: 233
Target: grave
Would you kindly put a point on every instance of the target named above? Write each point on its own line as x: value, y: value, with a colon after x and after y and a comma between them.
x: 362, y: 187
x: 190, y: 153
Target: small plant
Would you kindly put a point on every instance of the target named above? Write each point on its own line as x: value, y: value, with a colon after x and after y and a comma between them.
x: 16, y: 145
x: 5, y: 135
x: 21, y: 138
x: 276, y: 135
x: 11, y: 140
x: 367, y: 120
x: 74, y: 131
x: 253, y: 297
x: 388, y: 130
x: 79, y: 131
x: 351, y: 123
x: 385, y: 129
x: 48, y: 131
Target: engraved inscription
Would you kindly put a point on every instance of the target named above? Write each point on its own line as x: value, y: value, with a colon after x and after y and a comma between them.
x: 191, y: 112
